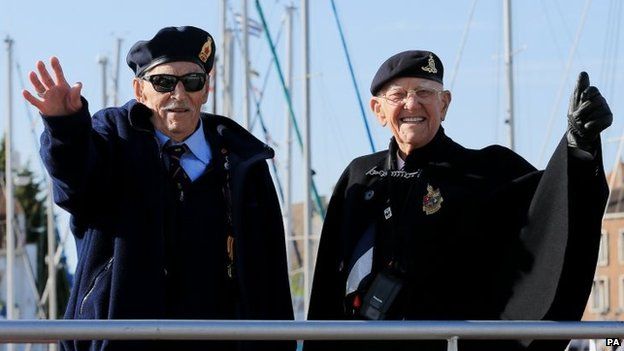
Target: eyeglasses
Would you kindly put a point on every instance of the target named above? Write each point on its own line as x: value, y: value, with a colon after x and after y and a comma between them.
x: 166, y: 83
x: 399, y: 96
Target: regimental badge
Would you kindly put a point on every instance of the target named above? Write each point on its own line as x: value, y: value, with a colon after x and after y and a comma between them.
x: 206, y: 50
x: 432, y: 201
x: 430, y: 67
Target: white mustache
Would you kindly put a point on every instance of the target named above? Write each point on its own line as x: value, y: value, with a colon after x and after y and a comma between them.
x: 175, y: 105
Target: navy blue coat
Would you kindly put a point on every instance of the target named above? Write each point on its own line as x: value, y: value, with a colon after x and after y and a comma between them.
x: 108, y: 174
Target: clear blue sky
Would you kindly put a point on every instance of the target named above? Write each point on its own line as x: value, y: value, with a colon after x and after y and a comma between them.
x: 543, y: 34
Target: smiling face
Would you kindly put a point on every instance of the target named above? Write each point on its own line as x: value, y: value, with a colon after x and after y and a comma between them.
x: 415, y: 120
x: 176, y: 113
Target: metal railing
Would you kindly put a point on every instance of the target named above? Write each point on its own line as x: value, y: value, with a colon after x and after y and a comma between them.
x: 45, y: 331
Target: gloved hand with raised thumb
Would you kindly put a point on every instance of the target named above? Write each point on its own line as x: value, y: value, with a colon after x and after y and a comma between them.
x: 588, y: 115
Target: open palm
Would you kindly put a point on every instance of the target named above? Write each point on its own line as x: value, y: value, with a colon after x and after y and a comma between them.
x: 55, y: 97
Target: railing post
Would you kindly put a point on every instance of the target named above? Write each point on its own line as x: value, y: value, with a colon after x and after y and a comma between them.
x: 452, y: 344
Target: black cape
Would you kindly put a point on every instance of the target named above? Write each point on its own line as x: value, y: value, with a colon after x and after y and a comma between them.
x: 506, y: 242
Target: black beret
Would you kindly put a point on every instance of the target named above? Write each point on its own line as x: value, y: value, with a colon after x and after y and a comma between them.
x: 412, y: 63
x: 171, y: 44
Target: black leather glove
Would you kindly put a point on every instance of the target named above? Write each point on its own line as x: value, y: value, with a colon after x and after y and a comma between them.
x: 588, y: 115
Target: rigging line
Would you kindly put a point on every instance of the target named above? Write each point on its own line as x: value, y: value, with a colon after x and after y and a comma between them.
x: 615, y: 52
x: 606, y: 51
x: 46, y: 176
x: 21, y: 238
x: 236, y: 26
x: 607, y: 41
x: 57, y: 262
x: 355, y: 85
x: 30, y: 272
x: 258, y: 115
x: 268, y: 70
x: 267, y: 138
x: 566, y: 71
x: 568, y: 33
x: 266, y: 76
x: 498, y: 57
x: 462, y: 44
x: 329, y: 118
x: 32, y: 121
x: 614, y: 172
x: 273, y: 163
x: 61, y: 244
x: 566, y: 29
x: 549, y: 23
x: 618, y: 154
x: 317, y: 198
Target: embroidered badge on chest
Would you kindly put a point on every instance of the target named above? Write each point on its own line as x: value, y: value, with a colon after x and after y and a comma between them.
x: 432, y: 201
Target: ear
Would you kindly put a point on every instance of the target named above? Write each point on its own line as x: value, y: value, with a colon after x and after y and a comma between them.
x: 138, y: 90
x: 446, y: 101
x: 375, y: 106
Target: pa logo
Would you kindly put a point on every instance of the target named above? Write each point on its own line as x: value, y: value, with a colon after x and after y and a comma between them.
x: 613, y: 342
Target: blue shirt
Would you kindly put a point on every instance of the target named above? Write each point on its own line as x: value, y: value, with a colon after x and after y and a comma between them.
x: 199, y: 155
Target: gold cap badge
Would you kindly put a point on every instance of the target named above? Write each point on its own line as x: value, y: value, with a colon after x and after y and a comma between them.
x: 206, y: 50
x: 430, y: 67
x: 432, y: 201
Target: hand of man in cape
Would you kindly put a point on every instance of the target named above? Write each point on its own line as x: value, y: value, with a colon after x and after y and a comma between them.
x: 588, y: 115
x: 55, y: 96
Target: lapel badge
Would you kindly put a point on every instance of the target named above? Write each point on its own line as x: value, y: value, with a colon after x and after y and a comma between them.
x: 430, y: 67
x: 369, y: 195
x: 387, y: 212
x: 432, y: 201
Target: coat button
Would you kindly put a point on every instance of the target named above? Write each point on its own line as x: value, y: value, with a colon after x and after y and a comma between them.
x: 369, y: 195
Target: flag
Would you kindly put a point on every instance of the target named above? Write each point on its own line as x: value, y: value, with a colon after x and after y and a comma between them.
x: 254, y: 27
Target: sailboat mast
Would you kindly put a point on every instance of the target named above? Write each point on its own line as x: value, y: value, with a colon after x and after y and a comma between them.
x: 509, y: 111
x: 307, y: 175
x: 246, y: 82
x: 52, y: 298
x: 8, y: 167
x: 288, y: 135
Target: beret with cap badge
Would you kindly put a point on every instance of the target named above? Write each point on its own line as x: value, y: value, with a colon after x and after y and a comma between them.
x: 172, y: 44
x: 412, y: 63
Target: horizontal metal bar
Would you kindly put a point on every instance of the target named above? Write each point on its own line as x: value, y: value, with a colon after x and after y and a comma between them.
x: 45, y: 330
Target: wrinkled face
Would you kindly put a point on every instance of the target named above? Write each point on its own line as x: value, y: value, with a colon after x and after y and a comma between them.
x: 176, y: 113
x: 413, y: 109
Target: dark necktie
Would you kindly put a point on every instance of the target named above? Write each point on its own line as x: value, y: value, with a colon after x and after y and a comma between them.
x: 180, y: 179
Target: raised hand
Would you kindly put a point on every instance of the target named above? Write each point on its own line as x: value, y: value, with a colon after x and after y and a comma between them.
x: 588, y: 115
x: 55, y: 97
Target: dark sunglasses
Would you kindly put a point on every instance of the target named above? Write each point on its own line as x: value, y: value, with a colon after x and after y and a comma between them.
x: 166, y: 83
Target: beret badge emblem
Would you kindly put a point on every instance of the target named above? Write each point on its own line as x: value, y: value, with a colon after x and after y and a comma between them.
x: 430, y: 67
x: 206, y: 50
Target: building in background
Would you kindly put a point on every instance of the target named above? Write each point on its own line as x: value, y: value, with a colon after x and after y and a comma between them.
x: 606, y: 301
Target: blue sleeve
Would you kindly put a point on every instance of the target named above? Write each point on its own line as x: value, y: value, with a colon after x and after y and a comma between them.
x: 76, y: 151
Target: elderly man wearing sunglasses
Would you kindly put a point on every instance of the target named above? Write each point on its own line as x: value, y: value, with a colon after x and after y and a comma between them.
x: 174, y: 211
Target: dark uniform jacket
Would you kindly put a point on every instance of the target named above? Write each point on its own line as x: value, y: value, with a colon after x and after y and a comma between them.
x: 108, y: 173
x: 472, y: 234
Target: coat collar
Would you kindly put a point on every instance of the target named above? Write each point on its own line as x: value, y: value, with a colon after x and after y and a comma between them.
x: 241, y: 143
x: 439, y: 149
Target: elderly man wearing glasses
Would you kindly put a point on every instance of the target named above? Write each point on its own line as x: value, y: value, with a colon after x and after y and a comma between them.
x: 174, y: 211
x: 430, y: 230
